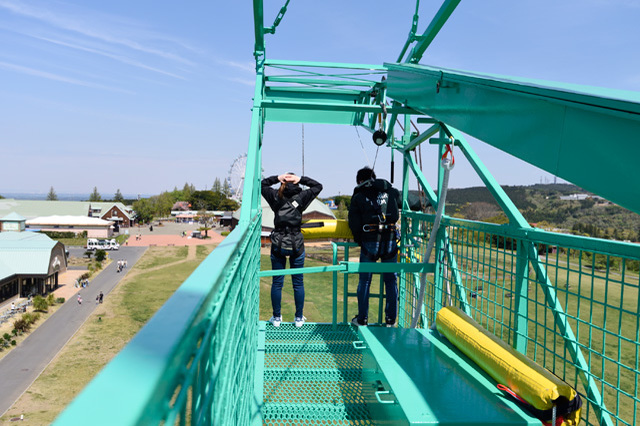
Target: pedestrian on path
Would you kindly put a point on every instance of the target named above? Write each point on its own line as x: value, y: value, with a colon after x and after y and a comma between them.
x: 101, y: 296
x: 79, y: 300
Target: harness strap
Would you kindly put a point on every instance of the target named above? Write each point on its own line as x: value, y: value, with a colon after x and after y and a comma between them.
x: 378, y: 227
x: 561, y: 408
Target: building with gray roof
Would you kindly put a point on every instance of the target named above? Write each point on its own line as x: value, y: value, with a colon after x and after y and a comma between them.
x: 29, y: 264
x: 115, y: 212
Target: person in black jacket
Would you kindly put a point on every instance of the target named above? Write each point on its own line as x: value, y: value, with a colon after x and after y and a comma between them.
x: 288, y: 202
x: 373, y: 214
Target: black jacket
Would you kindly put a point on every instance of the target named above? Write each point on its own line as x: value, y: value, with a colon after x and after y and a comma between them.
x: 306, y: 196
x: 363, y: 209
x: 286, y: 233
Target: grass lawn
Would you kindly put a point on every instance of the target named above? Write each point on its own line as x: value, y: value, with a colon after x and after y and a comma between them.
x: 108, y: 329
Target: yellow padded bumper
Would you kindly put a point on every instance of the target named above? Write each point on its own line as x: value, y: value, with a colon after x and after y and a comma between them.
x: 533, y: 383
x: 322, y: 228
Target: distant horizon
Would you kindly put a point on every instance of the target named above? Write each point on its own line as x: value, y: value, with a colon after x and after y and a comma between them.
x: 75, y: 196
x: 69, y: 196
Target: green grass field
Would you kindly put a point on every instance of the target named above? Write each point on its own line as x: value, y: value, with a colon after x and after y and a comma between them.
x: 602, y: 306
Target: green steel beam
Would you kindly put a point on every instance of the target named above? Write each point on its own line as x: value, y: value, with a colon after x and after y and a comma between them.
x: 412, y: 32
x: 251, y: 189
x: 570, y: 342
x: 276, y: 22
x: 352, y: 268
x: 432, y: 30
x: 312, y: 64
x: 258, y: 24
x: 422, y: 180
x: 522, y: 298
x: 331, y: 106
x: 457, y: 278
x: 301, y: 91
x: 312, y: 81
x: 421, y: 137
x: 501, y: 197
x: 305, y: 270
x: 588, y: 136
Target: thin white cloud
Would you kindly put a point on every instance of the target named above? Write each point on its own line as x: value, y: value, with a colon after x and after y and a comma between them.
x: 50, y: 76
x: 93, y: 27
x: 243, y: 81
x: 115, y: 57
x: 244, y: 66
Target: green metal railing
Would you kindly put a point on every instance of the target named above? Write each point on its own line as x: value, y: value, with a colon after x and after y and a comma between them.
x: 194, y: 362
x: 570, y: 303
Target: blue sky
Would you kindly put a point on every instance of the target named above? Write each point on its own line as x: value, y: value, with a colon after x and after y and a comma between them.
x: 145, y: 95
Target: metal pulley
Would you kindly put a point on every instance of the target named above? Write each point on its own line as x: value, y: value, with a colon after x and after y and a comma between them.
x: 380, y: 136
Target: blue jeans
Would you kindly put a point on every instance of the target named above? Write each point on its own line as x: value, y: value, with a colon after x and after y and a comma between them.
x: 390, y: 285
x: 278, y: 261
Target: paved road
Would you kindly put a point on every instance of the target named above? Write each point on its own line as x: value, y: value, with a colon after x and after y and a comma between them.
x: 25, y: 363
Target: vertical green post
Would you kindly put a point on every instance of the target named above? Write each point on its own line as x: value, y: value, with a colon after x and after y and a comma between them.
x: 522, y: 298
x: 438, y: 280
x: 345, y: 298
x: 334, y: 315
x: 402, y: 282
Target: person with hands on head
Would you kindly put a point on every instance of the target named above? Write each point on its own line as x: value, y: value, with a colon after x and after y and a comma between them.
x: 288, y: 202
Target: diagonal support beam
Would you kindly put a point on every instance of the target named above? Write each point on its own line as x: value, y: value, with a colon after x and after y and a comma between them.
x: 432, y: 30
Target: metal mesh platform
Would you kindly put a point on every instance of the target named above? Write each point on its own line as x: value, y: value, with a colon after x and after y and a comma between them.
x: 313, y: 376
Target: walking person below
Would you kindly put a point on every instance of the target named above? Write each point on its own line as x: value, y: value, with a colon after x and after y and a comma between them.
x: 79, y: 300
x: 373, y: 214
x: 288, y: 202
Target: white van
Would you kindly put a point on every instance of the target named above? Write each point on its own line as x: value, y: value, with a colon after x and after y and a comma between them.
x: 95, y: 244
x: 111, y: 244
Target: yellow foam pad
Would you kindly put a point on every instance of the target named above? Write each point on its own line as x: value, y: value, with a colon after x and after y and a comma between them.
x: 533, y: 383
x: 322, y: 228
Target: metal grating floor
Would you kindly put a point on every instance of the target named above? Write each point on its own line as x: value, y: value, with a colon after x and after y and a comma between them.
x: 312, y: 376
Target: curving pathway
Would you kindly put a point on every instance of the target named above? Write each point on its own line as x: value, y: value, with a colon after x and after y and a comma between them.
x: 20, y: 367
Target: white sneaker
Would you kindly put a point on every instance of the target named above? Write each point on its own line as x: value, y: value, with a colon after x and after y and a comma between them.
x: 276, y: 321
x: 300, y: 321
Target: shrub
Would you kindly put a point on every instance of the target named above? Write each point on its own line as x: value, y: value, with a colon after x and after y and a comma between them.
x: 84, y: 276
x: 6, y: 336
x: 54, y: 235
x: 101, y: 255
x: 51, y: 299
x: 14, y: 332
x: 224, y: 233
x: 13, y: 343
x: 60, y: 300
x: 30, y: 317
x: 21, y: 325
x: 88, y: 253
x: 40, y: 304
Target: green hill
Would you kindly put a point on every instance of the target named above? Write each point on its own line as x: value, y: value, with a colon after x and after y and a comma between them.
x: 542, y: 205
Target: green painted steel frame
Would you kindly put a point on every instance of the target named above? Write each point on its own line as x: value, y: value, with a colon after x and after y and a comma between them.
x: 198, y: 360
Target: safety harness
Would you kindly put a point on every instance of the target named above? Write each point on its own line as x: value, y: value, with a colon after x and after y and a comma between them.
x: 384, y: 231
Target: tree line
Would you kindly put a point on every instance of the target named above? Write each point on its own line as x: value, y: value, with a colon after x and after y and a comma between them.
x: 216, y: 198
